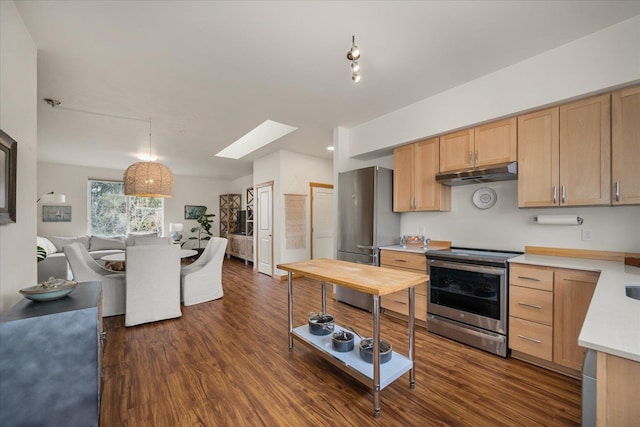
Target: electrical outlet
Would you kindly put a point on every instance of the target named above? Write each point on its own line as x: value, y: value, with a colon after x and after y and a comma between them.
x: 586, y: 234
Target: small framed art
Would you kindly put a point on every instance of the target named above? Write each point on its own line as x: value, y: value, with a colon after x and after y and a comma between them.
x: 52, y: 213
x: 194, y: 212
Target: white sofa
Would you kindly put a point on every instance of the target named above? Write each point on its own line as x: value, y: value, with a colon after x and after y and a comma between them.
x: 55, y: 264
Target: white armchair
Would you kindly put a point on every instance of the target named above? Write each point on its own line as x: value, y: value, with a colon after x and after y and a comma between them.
x: 153, y: 283
x: 202, y: 280
x: 85, y: 269
x: 142, y: 241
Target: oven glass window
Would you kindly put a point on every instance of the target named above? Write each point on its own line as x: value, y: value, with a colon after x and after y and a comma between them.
x: 469, y: 291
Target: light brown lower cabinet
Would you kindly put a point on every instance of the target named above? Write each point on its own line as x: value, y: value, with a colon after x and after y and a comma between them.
x: 547, y: 307
x: 617, y: 391
x: 397, y: 303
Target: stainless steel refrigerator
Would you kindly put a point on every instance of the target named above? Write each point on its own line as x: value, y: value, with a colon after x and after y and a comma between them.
x: 366, y: 222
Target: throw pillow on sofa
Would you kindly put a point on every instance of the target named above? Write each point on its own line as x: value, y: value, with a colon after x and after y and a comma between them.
x: 99, y: 243
x: 46, y: 244
x: 131, y: 237
x: 60, y: 242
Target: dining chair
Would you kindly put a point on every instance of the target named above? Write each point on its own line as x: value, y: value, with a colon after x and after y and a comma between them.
x: 201, y: 281
x: 153, y: 283
x: 85, y: 269
x: 146, y: 241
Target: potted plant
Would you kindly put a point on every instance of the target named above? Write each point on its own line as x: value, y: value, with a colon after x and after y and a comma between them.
x: 204, y: 228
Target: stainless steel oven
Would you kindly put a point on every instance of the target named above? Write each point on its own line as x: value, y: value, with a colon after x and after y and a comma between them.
x: 468, y: 297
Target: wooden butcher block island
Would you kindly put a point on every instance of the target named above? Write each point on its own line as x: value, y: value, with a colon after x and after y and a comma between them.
x: 376, y: 281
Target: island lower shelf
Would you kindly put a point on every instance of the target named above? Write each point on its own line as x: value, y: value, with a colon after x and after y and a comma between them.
x: 350, y: 361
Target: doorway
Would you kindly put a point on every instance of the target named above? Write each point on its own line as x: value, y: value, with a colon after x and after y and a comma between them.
x: 322, y: 224
x: 264, y: 252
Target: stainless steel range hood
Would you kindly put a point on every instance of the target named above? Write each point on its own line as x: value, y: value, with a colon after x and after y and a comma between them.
x: 493, y: 173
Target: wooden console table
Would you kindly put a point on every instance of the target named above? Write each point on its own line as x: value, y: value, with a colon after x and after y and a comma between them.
x: 376, y: 281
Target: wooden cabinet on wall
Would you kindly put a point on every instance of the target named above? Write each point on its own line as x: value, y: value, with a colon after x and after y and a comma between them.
x: 564, y: 155
x: 625, y: 146
x: 397, y: 304
x: 489, y: 144
x: 414, y: 184
x: 547, y: 307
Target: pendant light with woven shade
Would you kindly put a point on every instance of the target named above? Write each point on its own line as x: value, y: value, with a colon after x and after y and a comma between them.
x: 148, y: 179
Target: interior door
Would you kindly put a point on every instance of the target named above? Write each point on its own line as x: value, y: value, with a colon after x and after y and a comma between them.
x: 323, y: 241
x: 265, y: 229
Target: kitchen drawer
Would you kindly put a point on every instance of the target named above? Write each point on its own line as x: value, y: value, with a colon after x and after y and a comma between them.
x: 531, y: 277
x: 407, y: 260
x: 399, y: 303
x: 532, y: 338
x: 531, y: 304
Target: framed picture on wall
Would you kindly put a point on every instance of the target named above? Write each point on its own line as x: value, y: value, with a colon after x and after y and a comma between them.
x: 194, y: 212
x: 8, y: 163
x: 56, y: 213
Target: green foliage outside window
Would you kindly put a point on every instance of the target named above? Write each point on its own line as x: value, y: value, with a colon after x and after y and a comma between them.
x: 112, y: 213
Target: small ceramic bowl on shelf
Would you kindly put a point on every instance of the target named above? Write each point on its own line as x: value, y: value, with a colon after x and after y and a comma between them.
x: 419, y: 240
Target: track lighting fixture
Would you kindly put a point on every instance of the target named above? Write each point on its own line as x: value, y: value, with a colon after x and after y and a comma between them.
x: 353, y: 55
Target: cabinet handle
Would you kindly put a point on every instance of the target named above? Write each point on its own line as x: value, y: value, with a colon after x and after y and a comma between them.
x: 539, y: 307
x: 535, y: 279
x: 617, y: 191
x: 400, y: 260
x: 578, y: 281
x: 563, y: 196
x: 529, y: 339
x: 471, y: 158
x: 555, y: 194
x: 475, y: 162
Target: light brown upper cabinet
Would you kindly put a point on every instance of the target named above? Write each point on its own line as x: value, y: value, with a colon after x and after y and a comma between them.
x: 564, y: 155
x: 489, y: 144
x: 538, y: 158
x: 625, y: 146
x: 414, y: 178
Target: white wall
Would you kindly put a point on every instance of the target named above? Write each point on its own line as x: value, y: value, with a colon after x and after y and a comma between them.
x: 506, y: 227
x: 290, y: 173
x: 18, y: 118
x: 606, y: 59
x: 296, y: 173
x: 599, y: 61
x: 72, y: 182
x: 240, y: 185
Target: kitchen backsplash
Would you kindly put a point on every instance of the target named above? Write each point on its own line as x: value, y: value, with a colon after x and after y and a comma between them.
x: 505, y: 226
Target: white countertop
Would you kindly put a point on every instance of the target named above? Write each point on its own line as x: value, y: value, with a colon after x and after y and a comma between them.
x: 612, y: 324
x: 408, y: 248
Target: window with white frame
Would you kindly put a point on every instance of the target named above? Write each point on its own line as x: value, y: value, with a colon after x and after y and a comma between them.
x: 112, y: 213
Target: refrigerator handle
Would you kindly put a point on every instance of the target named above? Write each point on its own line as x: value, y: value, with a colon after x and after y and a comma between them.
x: 365, y: 247
x: 374, y: 255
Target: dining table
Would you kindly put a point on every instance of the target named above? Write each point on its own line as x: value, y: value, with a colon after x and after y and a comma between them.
x: 121, y: 256
x: 116, y: 261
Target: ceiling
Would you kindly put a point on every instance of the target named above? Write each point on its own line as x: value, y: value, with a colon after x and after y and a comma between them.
x: 207, y: 72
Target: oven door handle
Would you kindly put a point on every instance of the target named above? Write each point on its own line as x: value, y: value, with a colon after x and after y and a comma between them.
x: 484, y: 335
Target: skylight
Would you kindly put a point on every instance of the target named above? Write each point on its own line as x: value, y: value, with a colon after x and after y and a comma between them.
x: 262, y: 135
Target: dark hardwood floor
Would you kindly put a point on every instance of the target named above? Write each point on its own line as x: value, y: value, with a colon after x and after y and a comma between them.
x: 226, y: 363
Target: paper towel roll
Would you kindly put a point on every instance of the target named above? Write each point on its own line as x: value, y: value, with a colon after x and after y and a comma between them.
x: 558, y: 219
